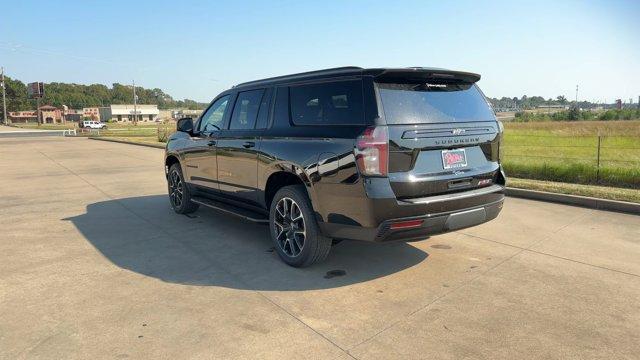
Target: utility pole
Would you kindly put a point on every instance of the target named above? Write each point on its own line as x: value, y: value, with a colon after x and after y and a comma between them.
x: 4, y: 100
x: 135, y: 105
x: 38, y: 110
x: 576, y: 95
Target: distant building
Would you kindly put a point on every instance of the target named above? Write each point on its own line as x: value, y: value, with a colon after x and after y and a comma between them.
x: 554, y: 106
x: 51, y: 115
x: 91, y: 113
x: 125, y: 113
x: 72, y: 115
x: 179, y: 114
x: 48, y: 115
x: 23, y: 117
x: 165, y: 115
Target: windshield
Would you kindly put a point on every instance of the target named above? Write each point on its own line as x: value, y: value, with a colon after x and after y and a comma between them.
x: 433, y: 103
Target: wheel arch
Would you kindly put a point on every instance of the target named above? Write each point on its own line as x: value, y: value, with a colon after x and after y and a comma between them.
x: 285, y: 175
x: 169, y: 161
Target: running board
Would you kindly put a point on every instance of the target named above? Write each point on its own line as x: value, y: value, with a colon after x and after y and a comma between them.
x: 231, y: 209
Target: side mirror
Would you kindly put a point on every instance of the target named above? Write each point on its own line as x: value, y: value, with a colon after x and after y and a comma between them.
x: 185, y: 125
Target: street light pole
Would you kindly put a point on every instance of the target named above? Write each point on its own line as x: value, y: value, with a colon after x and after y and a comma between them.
x: 4, y: 100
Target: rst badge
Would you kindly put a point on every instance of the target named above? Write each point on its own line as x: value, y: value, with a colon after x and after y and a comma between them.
x: 452, y: 159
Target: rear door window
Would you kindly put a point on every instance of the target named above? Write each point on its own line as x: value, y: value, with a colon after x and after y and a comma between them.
x: 246, y: 109
x: 335, y: 103
x: 433, y: 103
x: 265, y: 107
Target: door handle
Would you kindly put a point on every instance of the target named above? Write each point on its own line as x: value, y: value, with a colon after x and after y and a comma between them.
x: 211, y: 143
x: 249, y: 144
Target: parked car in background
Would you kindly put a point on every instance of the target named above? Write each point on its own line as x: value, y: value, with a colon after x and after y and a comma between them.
x: 347, y: 153
x: 92, y: 124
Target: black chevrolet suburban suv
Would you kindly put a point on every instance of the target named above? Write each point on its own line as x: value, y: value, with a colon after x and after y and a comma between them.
x: 346, y: 153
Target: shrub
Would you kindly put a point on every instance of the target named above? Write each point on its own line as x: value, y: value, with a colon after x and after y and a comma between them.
x: 575, y: 114
x: 164, y: 131
x: 620, y: 114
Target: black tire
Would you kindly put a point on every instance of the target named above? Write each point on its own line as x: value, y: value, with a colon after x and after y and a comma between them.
x: 179, y: 194
x: 292, y: 219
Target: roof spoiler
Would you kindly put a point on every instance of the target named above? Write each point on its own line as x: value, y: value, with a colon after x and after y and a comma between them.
x: 420, y: 75
x: 337, y: 71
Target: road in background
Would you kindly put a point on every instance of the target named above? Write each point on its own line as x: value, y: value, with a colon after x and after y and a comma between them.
x: 95, y: 264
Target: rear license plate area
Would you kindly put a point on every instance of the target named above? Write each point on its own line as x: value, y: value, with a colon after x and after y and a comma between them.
x: 453, y: 159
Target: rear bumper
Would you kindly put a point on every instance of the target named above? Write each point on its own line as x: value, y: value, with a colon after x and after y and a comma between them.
x: 439, y: 223
x: 439, y: 214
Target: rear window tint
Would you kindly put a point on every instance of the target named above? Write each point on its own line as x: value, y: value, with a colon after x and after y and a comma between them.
x: 336, y: 103
x: 433, y: 103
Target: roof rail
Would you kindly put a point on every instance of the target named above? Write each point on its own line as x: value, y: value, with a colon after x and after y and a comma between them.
x: 303, y: 74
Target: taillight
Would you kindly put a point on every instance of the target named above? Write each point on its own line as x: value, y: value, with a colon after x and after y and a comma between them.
x: 406, y: 224
x: 372, y: 151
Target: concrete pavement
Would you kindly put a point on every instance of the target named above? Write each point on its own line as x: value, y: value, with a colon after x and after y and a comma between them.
x: 94, y: 264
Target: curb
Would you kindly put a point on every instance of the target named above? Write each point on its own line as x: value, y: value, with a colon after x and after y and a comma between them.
x: 584, y: 201
x: 157, y: 146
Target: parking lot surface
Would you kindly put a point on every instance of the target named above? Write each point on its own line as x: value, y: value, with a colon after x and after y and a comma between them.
x: 95, y: 264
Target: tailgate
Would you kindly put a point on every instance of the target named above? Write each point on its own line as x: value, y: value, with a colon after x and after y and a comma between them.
x: 434, y: 159
x: 443, y: 137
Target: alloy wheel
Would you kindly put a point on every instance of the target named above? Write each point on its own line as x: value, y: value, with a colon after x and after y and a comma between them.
x: 289, y: 227
x: 175, y: 189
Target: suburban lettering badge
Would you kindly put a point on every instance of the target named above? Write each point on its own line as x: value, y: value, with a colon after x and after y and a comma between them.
x: 457, y: 141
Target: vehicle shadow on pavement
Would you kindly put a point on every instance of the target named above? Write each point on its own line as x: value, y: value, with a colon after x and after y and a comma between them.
x: 144, y: 235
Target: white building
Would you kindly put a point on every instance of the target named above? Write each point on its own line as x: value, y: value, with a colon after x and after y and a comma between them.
x: 186, y: 113
x: 125, y: 113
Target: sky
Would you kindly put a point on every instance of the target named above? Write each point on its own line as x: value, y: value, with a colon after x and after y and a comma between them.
x: 196, y: 49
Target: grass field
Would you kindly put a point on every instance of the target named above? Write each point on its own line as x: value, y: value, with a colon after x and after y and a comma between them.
x: 568, y: 152
x: 602, y: 192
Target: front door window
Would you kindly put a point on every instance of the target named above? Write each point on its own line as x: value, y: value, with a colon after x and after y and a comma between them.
x: 212, y: 119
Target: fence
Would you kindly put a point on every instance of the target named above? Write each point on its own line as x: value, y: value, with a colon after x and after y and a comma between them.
x: 120, y: 132
x: 604, y: 160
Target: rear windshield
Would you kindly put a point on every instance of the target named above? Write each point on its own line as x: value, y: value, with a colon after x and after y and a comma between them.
x: 433, y: 103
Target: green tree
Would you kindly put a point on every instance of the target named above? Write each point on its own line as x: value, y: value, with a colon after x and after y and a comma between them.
x: 77, y: 96
x: 16, y: 95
